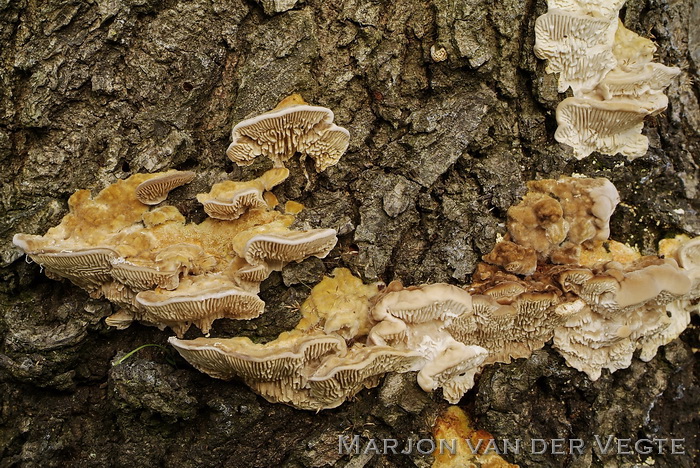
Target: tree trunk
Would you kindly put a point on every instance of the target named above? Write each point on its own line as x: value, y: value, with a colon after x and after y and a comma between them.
x: 94, y: 91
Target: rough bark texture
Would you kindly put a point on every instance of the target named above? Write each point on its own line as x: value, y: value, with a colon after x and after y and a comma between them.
x: 94, y: 91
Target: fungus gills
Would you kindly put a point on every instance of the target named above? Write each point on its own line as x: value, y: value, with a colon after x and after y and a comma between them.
x: 163, y: 271
x: 610, y: 71
x: 549, y: 279
x: 292, y: 127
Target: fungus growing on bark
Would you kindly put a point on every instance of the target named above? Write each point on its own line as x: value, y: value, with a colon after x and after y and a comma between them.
x: 557, y: 217
x: 577, y: 46
x: 340, y: 377
x: 156, y: 189
x: 649, y: 79
x: 293, y: 126
x: 509, y: 330
x: 453, y: 369
x: 284, y: 358
x: 423, y: 303
x: 513, y: 258
x: 162, y: 215
x: 199, y: 300
x: 550, y: 278
x: 598, y: 311
x: 86, y: 267
x: 609, y: 127
x: 657, y: 281
x: 610, y: 70
x: 474, y: 448
x: 158, y: 268
x: 417, y: 319
x: 438, y: 53
x: 229, y: 200
x: 625, y: 309
x: 276, y: 245
x: 687, y: 253
x: 339, y: 304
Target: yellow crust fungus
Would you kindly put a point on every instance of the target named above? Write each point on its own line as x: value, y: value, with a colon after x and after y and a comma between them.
x: 472, y: 447
x: 160, y: 269
x: 339, y: 304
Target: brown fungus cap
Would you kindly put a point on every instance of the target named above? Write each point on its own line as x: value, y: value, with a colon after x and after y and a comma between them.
x: 513, y: 257
x: 556, y: 218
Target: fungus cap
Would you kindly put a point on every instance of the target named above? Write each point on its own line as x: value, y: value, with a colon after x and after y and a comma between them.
x: 340, y: 377
x: 240, y: 357
x: 156, y: 189
x: 455, y: 360
x: 200, y: 300
x: 424, y: 303
x: 577, y: 46
x: 287, y: 246
x: 293, y: 126
x: 613, y: 126
x: 229, y: 200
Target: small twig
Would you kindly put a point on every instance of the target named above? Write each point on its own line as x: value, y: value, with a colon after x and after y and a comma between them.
x: 130, y: 353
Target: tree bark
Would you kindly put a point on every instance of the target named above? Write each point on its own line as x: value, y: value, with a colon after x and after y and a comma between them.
x: 94, y: 91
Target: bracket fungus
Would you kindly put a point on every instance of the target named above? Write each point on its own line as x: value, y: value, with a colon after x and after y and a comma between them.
x: 340, y: 377
x: 609, y: 68
x: 200, y: 300
x: 577, y: 46
x: 156, y: 189
x: 276, y: 360
x: 453, y: 370
x: 293, y: 126
x: 608, y: 127
x: 158, y: 268
x: 597, y: 306
x: 550, y: 278
x: 556, y: 219
x: 230, y: 199
x: 275, y: 246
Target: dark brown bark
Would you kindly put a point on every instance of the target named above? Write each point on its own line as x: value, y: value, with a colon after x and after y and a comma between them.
x: 94, y: 91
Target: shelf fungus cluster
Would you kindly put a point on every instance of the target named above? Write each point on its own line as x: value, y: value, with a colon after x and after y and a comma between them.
x: 125, y: 245
x: 555, y: 276
x: 161, y: 270
x: 611, y: 72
